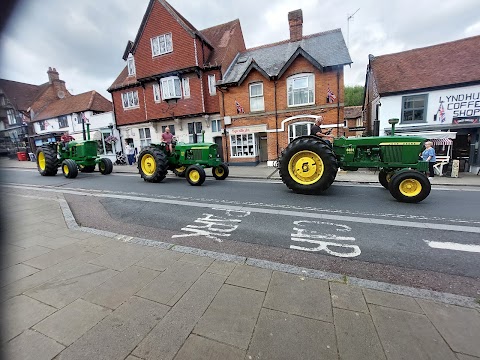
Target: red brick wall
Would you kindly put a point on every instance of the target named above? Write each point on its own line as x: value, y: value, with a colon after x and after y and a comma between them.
x: 123, y: 116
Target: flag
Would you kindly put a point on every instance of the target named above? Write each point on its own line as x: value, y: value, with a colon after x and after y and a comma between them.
x: 441, y: 113
x: 239, y: 108
x: 330, y: 96
x: 84, y: 118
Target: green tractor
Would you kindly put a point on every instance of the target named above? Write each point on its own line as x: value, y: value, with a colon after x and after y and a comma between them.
x: 309, y: 164
x: 71, y: 157
x: 186, y: 160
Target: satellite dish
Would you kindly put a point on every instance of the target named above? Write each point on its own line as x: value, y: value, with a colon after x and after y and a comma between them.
x: 60, y: 94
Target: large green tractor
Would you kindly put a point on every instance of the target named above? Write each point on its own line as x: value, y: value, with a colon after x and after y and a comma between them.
x: 309, y: 165
x: 186, y: 160
x: 71, y: 157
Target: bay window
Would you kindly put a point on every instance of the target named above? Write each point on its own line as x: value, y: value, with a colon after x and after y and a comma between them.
x: 170, y: 87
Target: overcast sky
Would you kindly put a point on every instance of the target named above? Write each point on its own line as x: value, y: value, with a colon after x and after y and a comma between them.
x: 85, y: 39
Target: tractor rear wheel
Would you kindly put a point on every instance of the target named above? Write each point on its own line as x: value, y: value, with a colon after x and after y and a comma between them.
x: 152, y: 165
x: 308, y: 166
x: 87, y: 168
x: 220, y: 172
x: 384, y: 177
x: 69, y: 169
x: 105, y: 166
x: 47, y: 162
x: 409, y: 186
x: 195, y: 175
x: 180, y: 171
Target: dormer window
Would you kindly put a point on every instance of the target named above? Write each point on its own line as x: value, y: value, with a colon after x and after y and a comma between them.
x: 171, y: 88
x: 162, y: 44
x: 131, y: 65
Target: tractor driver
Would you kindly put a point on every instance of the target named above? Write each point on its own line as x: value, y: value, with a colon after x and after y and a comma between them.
x: 65, y: 139
x: 167, y: 138
x: 316, y: 130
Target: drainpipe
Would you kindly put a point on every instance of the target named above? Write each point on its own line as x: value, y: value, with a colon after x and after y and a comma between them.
x: 224, y: 126
x: 276, y: 116
x: 338, y: 101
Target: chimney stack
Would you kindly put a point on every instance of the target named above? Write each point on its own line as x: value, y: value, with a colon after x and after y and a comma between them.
x: 52, y: 75
x: 295, y: 20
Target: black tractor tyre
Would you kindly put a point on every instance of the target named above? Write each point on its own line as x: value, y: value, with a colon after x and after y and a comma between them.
x: 105, y: 166
x: 409, y: 186
x: 195, y: 175
x: 49, y: 164
x: 180, y: 171
x: 302, y: 162
x: 220, y: 172
x: 87, y: 168
x: 152, y: 165
x: 384, y: 177
x: 69, y: 168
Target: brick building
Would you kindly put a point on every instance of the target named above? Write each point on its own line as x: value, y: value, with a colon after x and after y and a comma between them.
x: 170, y: 76
x: 353, y: 125
x: 273, y: 93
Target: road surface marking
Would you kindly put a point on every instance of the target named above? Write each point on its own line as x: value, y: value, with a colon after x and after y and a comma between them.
x: 453, y: 246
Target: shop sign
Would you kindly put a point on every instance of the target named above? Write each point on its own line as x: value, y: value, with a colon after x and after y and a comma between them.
x: 247, y: 129
x: 464, y: 107
x: 465, y: 120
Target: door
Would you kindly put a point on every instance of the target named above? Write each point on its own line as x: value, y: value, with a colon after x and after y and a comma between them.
x: 263, y: 148
x: 218, y: 141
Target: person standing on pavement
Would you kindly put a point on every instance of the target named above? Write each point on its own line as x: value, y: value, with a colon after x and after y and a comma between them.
x: 317, y: 131
x: 429, y: 155
x: 129, y: 151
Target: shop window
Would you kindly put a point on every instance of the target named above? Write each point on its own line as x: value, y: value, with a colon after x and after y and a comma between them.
x: 298, y: 129
x: 172, y: 129
x: 145, y: 137
x: 105, y: 148
x: 194, y: 132
x: 243, y: 145
x: 414, y: 108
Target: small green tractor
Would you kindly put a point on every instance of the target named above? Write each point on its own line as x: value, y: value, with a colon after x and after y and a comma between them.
x: 309, y: 164
x: 186, y: 160
x: 72, y: 157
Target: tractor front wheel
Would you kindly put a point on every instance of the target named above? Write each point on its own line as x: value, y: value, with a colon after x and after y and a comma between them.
x: 195, y: 175
x: 180, y: 171
x: 220, y: 172
x: 308, y: 166
x: 384, y: 177
x: 47, y: 162
x: 409, y: 186
x: 152, y: 165
x: 69, y: 169
x: 105, y: 166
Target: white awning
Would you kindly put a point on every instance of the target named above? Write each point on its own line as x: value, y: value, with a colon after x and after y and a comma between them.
x: 442, y: 141
x: 431, y: 135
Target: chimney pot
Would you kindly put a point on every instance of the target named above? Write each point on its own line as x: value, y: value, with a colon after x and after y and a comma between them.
x: 295, y: 21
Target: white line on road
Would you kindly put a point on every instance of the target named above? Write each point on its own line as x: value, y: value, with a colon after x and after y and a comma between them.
x: 453, y: 246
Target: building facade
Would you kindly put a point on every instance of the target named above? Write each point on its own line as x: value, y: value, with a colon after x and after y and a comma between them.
x: 353, y: 125
x: 169, y: 78
x: 273, y: 93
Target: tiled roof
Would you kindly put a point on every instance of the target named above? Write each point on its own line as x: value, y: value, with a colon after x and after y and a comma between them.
x: 123, y: 80
x: 21, y: 95
x: 326, y: 48
x: 90, y: 100
x: 450, y: 63
x: 352, y: 112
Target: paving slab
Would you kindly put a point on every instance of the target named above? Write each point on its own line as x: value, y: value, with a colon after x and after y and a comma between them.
x: 122, y: 257
x: 460, y: 327
x: 198, y: 348
x: 71, y: 285
x: 221, y: 267
x: 20, y: 313
x: 170, y: 285
x: 28, y: 240
x: 394, y: 301
x: 231, y: 316
x: 348, y: 297
x: 250, y: 277
x: 113, y: 292
x: 160, y: 260
x: 32, y: 345
x: 281, y: 336
x: 356, y: 336
x: 406, y: 335
x: 299, y: 295
x: 9, y: 248
x: 196, y: 259
x: 58, y: 242
x: 100, y: 244
x: 68, y: 232
x: 70, y: 323
x: 22, y: 255
x: 118, y: 334
x: 55, y: 256
x: 164, y: 341
x: 15, y: 272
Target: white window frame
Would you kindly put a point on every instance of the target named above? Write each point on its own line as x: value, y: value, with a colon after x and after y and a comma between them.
x: 130, y: 100
x: 131, y: 65
x: 211, y: 84
x: 310, y: 88
x: 171, y: 88
x: 157, y: 42
x: 156, y: 93
x: 144, y: 139
x: 252, y: 97
x: 186, y: 87
x: 171, y: 127
x: 243, y: 144
x: 292, y: 131
x: 217, y: 124
x: 12, y: 120
x: 359, y: 122
x: 197, y: 132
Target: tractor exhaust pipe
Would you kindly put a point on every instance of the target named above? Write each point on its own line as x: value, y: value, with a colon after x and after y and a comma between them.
x: 88, y: 131
x: 393, y: 122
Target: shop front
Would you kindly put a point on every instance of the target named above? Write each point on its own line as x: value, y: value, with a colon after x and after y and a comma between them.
x: 244, y: 144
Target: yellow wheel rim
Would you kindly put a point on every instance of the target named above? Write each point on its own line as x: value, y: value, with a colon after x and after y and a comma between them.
x: 306, y: 167
x: 219, y: 171
x: 42, y: 164
x: 148, y: 164
x: 410, y: 187
x: 65, y: 169
x: 180, y: 169
x: 194, y: 175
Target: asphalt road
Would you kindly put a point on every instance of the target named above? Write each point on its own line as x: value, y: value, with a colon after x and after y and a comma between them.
x: 357, y: 230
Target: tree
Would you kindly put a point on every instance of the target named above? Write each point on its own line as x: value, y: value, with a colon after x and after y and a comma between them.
x: 354, y: 95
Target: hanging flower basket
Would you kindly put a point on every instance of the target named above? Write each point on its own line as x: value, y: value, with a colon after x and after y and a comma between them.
x: 111, y: 139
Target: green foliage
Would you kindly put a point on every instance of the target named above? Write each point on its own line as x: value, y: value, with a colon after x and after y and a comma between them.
x: 354, y: 95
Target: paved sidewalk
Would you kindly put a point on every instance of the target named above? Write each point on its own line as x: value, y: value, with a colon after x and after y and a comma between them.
x: 71, y: 294
x: 262, y: 171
